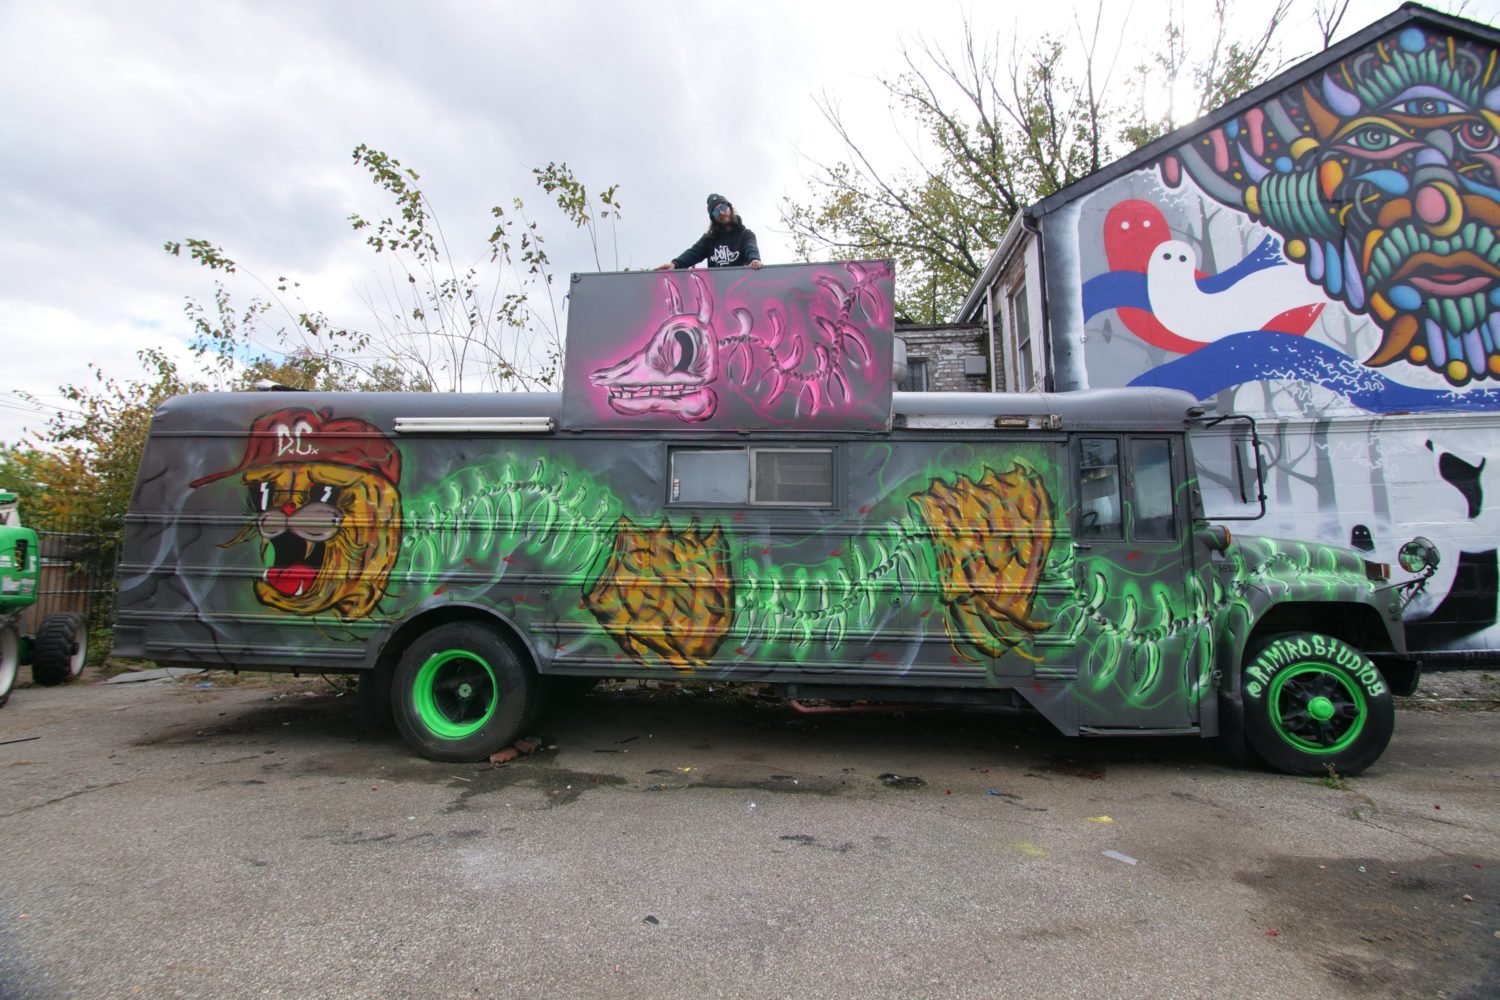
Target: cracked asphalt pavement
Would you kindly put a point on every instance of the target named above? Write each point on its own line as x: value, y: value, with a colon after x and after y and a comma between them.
x: 170, y: 840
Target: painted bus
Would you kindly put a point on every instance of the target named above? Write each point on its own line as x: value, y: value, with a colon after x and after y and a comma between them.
x: 728, y: 489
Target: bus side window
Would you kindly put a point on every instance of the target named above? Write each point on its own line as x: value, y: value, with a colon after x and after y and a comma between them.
x: 1099, y: 488
x: 785, y: 477
x: 710, y: 476
x: 1151, y: 490
x: 794, y: 476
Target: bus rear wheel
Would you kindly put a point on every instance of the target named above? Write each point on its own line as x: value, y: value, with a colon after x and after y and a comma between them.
x: 460, y: 692
x: 1316, y: 705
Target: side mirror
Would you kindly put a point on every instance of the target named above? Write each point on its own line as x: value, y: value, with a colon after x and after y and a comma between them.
x: 1419, y: 556
x: 1247, y: 468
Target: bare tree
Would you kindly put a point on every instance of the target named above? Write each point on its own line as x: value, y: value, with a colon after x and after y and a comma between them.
x: 1002, y: 131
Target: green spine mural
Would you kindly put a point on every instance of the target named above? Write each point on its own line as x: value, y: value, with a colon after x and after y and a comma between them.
x: 672, y: 595
x: 970, y: 539
x: 669, y: 595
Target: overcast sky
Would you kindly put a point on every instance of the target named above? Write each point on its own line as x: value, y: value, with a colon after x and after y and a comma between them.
x: 128, y: 124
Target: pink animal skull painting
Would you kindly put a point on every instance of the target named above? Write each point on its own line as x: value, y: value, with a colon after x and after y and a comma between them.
x: 806, y: 345
x: 672, y: 372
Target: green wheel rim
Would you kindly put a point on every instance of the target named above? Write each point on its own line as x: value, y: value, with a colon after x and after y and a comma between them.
x: 1316, y: 709
x: 455, y: 694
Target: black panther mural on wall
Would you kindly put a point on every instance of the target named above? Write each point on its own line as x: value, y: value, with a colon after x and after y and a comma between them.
x: 1469, y: 606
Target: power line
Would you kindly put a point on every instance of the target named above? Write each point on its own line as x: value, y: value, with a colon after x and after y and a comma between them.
x: 17, y: 403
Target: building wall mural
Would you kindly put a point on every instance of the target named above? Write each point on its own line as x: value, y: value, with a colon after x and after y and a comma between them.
x: 1330, y: 259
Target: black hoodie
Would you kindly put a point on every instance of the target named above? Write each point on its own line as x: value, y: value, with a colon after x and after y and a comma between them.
x: 731, y: 247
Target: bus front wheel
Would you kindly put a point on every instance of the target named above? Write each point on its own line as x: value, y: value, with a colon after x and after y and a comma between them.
x: 1316, y: 705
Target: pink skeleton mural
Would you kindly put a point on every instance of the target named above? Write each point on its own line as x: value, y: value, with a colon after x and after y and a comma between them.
x: 673, y: 371
x: 804, y: 347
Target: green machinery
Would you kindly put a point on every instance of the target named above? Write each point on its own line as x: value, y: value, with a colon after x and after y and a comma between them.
x: 59, y: 649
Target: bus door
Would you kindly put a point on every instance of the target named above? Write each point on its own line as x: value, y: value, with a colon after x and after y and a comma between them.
x: 1136, y: 642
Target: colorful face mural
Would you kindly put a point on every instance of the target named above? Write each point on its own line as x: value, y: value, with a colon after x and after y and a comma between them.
x: 717, y: 349
x: 1329, y: 262
x: 1382, y: 176
x: 325, y: 505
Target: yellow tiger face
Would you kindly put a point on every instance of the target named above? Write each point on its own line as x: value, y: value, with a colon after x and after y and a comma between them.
x: 991, y: 539
x: 329, y: 534
x: 665, y: 596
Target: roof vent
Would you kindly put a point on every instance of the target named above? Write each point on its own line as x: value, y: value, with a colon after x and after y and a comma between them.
x: 898, y: 361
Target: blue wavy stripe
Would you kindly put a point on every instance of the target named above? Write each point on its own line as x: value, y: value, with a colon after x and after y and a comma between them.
x: 1114, y: 289
x: 1267, y: 254
x: 1262, y: 356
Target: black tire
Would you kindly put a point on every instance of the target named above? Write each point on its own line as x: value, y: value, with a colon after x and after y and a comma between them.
x: 1314, y: 703
x: 60, y: 650
x: 460, y: 692
x: 10, y: 660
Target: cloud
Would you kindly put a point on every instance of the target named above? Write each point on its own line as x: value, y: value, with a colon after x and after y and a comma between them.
x: 127, y: 125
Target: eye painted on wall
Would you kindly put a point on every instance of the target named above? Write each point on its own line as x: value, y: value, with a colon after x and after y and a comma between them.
x: 1477, y: 137
x: 1427, y: 107
x: 1374, y: 138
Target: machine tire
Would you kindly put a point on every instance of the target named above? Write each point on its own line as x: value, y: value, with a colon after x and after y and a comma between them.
x: 60, y: 650
x: 10, y: 660
x: 460, y: 692
x: 1315, y: 703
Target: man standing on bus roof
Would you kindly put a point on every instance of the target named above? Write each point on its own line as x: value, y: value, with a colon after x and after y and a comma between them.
x: 726, y: 244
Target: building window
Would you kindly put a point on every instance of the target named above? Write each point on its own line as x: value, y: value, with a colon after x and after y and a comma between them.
x: 916, y: 376
x: 1020, y: 324
x: 797, y: 477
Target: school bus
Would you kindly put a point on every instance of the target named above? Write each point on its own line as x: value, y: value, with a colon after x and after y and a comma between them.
x: 727, y: 488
